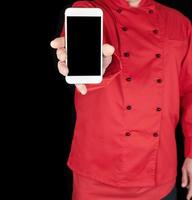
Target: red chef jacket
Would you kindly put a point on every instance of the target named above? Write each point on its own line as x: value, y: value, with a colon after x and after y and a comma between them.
x: 125, y: 126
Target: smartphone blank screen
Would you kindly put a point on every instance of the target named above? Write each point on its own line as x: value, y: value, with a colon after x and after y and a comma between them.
x: 84, y: 45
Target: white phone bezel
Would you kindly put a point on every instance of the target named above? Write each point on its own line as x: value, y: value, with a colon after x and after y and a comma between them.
x: 84, y: 12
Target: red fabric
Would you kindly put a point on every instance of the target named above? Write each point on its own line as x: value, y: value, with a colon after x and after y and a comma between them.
x: 89, y: 189
x: 125, y: 127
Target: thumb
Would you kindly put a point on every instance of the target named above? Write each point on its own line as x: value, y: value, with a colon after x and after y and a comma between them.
x: 81, y: 88
x: 108, y: 50
x: 184, y: 178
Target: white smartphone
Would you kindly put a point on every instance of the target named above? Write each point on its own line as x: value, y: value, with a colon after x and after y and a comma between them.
x: 83, y: 43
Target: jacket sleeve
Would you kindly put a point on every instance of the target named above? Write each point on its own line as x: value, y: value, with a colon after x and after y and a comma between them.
x: 186, y: 95
x: 115, y: 66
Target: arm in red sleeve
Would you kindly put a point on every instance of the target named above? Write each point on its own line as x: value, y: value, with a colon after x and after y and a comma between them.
x: 113, y: 69
x: 186, y: 96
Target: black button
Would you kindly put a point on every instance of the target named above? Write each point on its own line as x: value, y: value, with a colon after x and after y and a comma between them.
x: 151, y: 11
x: 158, y: 55
x: 155, y: 134
x: 128, y: 79
x: 127, y: 134
x: 129, y: 107
x: 155, y: 31
x: 159, y: 80
x: 124, y: 28
x: 158, y: 109
x: 119, y: 10
x: 126, y: 54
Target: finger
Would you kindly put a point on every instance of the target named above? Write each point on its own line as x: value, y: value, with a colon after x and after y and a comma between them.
x: 184, y: 178
x: 106, y: 61
x: 63, y: 69
x: 58, y: 43
x: 81, y: 88
x: 61, y: 54
x: 189, y: 180
x: 108, y: 50
x: 189, y: 194
x: 190, y: 176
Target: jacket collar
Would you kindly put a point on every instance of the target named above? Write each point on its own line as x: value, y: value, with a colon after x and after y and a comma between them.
x: 148, y: 4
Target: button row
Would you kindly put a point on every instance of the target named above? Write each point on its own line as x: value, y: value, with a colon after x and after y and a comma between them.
x: 129, y: 107
x: 155, y: 134
x: 150, y: 11
x: 127, y: 54
x: 159, y: 80
x: 155, y: 31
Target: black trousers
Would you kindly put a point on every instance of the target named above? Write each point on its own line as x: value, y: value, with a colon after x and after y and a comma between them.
x: 172, y: 195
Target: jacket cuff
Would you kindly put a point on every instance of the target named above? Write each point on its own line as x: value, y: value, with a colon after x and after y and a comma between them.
x: 111, y: 72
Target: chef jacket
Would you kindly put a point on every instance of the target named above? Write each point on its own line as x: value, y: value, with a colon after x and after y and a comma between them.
x: 125, y: 126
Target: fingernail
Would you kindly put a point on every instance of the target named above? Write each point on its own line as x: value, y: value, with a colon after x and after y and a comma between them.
x: 51, y: 43
x: 83, y: 92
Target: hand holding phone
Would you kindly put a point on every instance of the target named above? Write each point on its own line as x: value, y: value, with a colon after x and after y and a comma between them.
x: 59, y: 44
x: 82, y: 56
